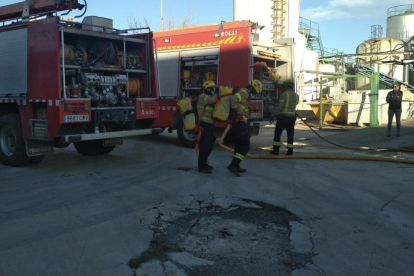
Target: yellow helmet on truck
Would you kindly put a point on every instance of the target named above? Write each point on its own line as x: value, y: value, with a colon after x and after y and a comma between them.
x: 257, y: 85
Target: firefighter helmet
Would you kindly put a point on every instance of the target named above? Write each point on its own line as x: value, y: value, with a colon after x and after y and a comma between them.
x: 289, y: 84
x: 208, y: 84
x: 257, y: 85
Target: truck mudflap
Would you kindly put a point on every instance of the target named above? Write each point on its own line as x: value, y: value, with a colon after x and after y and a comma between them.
x: 106, y: 135
x: 38, y: 147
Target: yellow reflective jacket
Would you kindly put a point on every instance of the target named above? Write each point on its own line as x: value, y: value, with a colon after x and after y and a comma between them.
x: 287, y: 103
x: 206, y: 102
x: 240, y: 102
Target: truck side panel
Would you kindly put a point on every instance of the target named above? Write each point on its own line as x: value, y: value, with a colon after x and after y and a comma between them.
x: 43, y: 60
x: 168, y: 66
x: 13, y: 65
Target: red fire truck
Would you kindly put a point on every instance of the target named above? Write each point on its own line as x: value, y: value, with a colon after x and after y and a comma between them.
x: 226, y: 53
x: 63, y: 82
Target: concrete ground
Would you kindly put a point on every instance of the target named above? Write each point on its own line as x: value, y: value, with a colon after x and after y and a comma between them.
x: 76, y: 215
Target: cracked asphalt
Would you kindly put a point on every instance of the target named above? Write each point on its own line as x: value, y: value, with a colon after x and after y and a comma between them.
x: 76, y: 215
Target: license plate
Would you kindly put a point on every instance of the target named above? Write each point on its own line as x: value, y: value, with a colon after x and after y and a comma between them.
x: 75, y: 118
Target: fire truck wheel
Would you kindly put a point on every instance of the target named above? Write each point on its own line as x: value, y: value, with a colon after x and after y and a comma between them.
x: 93, y: 147
x: 37, y: 159
x: 12, y: 146
x: 187, y: 138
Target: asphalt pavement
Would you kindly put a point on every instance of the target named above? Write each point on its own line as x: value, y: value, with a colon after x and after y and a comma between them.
x: 145, y: 206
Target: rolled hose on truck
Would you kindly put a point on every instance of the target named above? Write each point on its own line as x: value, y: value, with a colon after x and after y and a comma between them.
x: 319, y: 156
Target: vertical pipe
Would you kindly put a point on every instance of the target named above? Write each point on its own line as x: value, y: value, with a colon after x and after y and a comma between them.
x: 162, y: 15
x: 374, y: 98
x: 320, y: 102
x: 62, y: 38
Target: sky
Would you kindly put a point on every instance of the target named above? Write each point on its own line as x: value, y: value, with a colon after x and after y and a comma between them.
x: 343, y: 24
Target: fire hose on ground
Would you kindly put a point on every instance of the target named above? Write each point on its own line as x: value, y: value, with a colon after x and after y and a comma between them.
x: 319, y: 156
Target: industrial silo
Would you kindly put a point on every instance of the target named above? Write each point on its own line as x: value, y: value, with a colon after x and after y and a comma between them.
x: 276, y: 16
x: 400, y: 25
x: 371, y: 47
x: 400, y: 22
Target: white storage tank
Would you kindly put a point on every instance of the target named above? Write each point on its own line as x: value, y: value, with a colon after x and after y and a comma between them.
x: 262, y: 11
x: 256, y: 11
x: 381, y: 45
x: 400, y: 22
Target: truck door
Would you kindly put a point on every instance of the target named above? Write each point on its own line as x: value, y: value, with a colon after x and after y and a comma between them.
x: 168, y: 66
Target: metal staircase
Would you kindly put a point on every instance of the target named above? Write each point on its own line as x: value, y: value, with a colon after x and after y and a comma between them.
x: 310, y: 30
x: 383, y: 78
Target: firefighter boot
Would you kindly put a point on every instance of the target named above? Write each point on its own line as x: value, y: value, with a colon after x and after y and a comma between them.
x: 233, y: 167
x: 290, y: 151
x: 205, y: 170
x: 240, y: 169
x: 275, y: 150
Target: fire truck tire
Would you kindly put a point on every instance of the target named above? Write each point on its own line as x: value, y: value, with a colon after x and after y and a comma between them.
x: 187, y: 138
x: 12, y: 145
x: 92, y: 148
x: 107, y: 150
x: 37, y: 159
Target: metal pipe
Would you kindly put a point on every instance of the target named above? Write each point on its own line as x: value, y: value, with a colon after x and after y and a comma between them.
x: 162, y: 15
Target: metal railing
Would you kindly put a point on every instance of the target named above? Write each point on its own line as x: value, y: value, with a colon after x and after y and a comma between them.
x: 401, y: 10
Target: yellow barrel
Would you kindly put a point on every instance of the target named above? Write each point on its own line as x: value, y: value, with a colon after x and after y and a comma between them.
x: 186, y: 76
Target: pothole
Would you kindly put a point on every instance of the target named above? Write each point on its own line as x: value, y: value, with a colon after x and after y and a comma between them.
x: 248, y: 238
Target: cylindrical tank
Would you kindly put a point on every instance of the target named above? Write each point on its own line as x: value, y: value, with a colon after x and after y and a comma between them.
x: 381, y: 45
x: 292, y: 20
x: 400, y: 22
x: 261, y: 11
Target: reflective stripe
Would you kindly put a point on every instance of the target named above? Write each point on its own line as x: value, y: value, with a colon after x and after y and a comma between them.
x: 209, y: 108
x: 239, y: 97
x: 277, y: 144
x: 245, y: 108
x: 239, y: 156
x: 286, y: 103
x: 205, y: 99
x: 290, y: 146
x: 208, y: 120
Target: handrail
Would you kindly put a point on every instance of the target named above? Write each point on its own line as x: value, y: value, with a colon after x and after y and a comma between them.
x: 400, y: 10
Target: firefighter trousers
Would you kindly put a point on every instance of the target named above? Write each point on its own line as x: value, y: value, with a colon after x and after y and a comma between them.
x: 241, y: 141
x: 288, y: 123
x: 206, y: 144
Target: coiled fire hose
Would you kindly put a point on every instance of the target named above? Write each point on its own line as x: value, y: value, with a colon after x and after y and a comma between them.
x: 317, y: 156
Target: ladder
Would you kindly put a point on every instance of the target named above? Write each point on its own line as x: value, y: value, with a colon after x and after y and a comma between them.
x: 279, y: 19
x: 383, y: 78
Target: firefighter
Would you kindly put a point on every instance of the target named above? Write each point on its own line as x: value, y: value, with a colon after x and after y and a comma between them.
x: 238, y: 119
x: 286, y: 117
x: 206, y: 141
